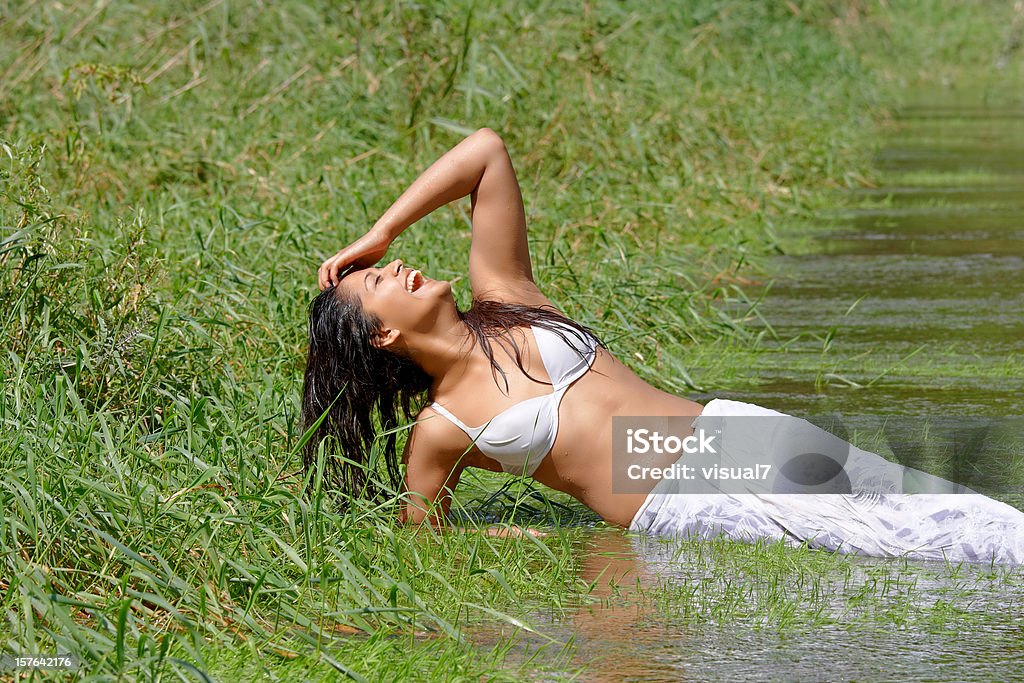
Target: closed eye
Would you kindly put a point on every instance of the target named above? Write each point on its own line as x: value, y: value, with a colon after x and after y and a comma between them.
x: 377, y: 280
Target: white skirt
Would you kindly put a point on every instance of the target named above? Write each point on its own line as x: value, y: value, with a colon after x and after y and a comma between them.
x: 931, y: 526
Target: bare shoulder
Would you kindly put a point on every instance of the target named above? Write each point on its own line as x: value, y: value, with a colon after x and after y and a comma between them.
x: 435, y: 437
x: 437, y: 443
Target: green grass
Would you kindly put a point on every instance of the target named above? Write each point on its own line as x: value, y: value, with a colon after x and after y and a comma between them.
x: 767, y: 586
x: 171, y: 176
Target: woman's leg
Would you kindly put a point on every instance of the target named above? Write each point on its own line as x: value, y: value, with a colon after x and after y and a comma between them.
x: 869, y: 512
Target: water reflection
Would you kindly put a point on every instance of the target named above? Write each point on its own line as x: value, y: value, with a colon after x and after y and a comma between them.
x: 664, y: 609
x: 611, y: 636
x: 919, y: 291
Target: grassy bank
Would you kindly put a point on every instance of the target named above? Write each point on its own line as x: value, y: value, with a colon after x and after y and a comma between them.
x: 172, y: 175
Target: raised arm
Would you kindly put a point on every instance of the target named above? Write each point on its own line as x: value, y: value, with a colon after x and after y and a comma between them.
x: 499, y: 259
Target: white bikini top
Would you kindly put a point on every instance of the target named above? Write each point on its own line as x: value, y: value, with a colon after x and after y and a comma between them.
x: 521, y: 436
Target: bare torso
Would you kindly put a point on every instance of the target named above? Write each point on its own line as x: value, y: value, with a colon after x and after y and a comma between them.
x: 417, y: 316
x: 580, y: 462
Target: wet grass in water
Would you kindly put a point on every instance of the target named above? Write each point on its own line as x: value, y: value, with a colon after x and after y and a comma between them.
x: 764, y: 611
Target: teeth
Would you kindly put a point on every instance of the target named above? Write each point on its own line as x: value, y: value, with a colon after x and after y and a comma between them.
x: 410, y: 280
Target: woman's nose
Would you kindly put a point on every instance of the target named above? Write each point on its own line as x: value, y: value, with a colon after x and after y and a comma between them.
x: 394, y: 266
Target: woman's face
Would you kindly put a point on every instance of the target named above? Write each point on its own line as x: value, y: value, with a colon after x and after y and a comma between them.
x: 401, y: 297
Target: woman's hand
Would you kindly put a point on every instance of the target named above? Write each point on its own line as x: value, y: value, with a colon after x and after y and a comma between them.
x: 513, y: 531
x: 364, y: 252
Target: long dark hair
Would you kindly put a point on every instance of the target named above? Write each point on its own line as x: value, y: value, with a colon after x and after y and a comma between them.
x: 364, y: 393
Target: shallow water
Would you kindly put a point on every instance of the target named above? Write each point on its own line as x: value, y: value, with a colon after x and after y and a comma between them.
x: 908, y: 304
x: 932, y: 264
x: 665, y: 611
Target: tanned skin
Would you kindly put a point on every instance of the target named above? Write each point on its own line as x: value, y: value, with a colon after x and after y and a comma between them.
x: 423, y: 325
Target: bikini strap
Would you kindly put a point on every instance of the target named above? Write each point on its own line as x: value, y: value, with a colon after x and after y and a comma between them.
x: 447, y: 413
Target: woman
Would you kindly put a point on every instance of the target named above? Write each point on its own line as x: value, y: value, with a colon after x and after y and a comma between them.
x: 513, y: 385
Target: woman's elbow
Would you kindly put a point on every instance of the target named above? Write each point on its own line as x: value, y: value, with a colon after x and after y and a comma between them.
x: 486, y: 132
x: 490, y: 138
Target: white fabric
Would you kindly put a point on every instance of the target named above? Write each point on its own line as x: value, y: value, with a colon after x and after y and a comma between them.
x: 521, y: 436
x: 932, y: 526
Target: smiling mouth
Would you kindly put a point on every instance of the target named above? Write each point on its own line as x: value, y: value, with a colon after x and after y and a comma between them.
x: 413, y: 281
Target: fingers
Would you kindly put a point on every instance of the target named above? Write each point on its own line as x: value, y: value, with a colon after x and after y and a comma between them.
x: 324, y: 275
x: 327, y: 276
x: 364, y: 252
x: 513, y: 531
x: 330, y: 270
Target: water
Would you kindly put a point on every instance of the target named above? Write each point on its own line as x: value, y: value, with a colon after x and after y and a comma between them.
x: 932, y: 264
x: 910, y: 304
x: 665, y: 611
